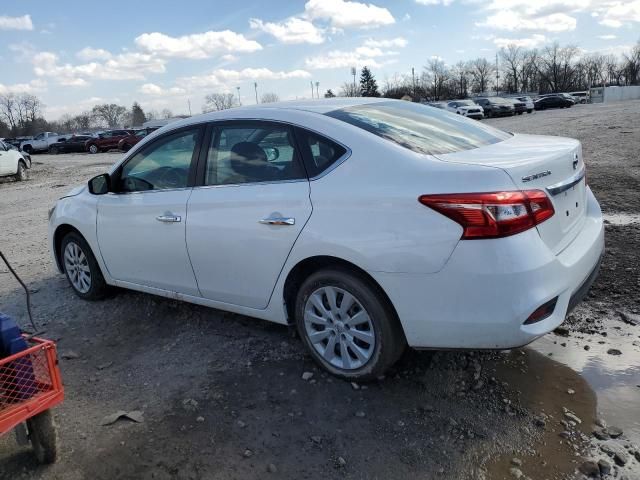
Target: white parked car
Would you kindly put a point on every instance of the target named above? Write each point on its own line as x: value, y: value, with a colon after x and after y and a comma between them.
x: 527, y: 101
x: 466, y: 108
x: 13, y: 163
x: 41, y: 142
x: 370, y: 224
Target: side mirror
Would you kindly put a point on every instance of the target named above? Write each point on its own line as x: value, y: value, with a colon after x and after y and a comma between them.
x: 100, y: 185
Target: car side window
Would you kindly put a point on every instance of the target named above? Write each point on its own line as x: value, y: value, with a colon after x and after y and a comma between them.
x: 162, y: 165
x: 39, y: 137
x: 319, y: 152
x: 252, y: 153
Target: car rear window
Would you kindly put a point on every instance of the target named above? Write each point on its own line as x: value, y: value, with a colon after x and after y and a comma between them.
x: 420, y: 128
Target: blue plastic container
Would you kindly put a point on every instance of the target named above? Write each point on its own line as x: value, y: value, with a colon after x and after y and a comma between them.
x: 17, y: 379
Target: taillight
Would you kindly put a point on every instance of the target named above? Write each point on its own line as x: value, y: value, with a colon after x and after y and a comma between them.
x: 493, y: 214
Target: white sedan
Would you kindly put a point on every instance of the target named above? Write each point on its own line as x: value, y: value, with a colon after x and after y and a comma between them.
x: 13, y: 163
x: 369, y: 224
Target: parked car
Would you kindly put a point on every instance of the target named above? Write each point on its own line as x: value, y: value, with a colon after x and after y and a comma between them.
x: 466, y: 108
x: 129, y: 141
x: 105, y: 141
x: 13, y: 162
x: 580, y: 97
x: 75, y: 143
x: 528, y: 102
x: 470, y: 237
x: 495, y: 106
x: 40, y: 143
x: 552, y: 101
x: 519, y: 107
x: 16, y: 141
x: 440, y: 105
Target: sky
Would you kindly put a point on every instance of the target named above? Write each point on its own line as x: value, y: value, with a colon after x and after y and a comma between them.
x: 170, y: 54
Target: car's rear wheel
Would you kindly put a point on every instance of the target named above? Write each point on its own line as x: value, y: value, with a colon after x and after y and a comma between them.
x: 54, y: 150
x: 347, y: 326
x: 21, y: 174
x: 81, y: 268
x: 126, y: 147
x: 93, y: 149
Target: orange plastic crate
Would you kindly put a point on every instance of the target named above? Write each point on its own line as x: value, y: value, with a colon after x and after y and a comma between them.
x: 30, y: 383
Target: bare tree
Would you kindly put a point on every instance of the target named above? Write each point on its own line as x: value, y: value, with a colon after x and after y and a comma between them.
x: 166, y: 113
x: 219, y: 101
x: 556, y: 67
x: 632, y: 66
x: 438, y: 75
x: 512, y: 57
x: 269, y: 97
x: 8, y: 109
x: 481, y: 70
x: 348, y: 89
x: 110, y: 114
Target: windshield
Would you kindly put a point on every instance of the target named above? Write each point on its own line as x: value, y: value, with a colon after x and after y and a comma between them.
x: 420, y: 128
x: 466, y: 103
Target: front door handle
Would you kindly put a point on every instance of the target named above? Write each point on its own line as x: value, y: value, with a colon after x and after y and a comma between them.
x: 278, y: 221
x: 167, y: 218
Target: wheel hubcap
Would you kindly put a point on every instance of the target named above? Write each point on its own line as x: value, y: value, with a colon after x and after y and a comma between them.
x: 339, y: 328
x: 77, y: 267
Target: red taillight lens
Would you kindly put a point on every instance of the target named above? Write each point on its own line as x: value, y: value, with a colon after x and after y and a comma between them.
x: 493, y: 214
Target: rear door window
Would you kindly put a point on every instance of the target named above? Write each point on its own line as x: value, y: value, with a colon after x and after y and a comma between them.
x: 319, y: 152
x: 420, y: 128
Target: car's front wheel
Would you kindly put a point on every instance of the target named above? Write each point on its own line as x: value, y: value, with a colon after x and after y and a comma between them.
x: 93, y: 149
x: 54, y: 151
x: 81, y: 267
x: 347, y: 326
x: 21, y: 174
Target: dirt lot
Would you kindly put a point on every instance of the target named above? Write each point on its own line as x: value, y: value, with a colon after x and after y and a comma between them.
x: 222, y: 395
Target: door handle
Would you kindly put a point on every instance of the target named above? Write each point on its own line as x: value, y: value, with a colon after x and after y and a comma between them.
x: 169, y: 218
x: 278, y: 221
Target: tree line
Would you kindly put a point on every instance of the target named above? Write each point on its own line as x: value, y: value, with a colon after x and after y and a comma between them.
x: 551, y: 69
x: 21, y: 115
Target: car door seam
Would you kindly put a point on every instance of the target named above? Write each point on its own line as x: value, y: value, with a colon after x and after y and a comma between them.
x: 186, y: 244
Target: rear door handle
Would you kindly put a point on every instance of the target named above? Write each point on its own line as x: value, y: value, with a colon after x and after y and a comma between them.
x: 278, y: 221
x: 169, y: 218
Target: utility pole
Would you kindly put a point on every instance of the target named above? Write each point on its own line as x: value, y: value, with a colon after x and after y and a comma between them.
x: 353, y: 72
x: 255, y: 84
x: 497, y: 77
x: 239, y: 101
x: 311, y: 88
x: 189, y: 103
x: 413, y: 79
x: 317, y: 89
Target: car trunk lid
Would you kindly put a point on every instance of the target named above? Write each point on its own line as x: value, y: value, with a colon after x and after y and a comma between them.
x: 551, y: 164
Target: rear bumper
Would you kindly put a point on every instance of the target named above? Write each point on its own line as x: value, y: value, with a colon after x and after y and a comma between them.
x: 488, y: 288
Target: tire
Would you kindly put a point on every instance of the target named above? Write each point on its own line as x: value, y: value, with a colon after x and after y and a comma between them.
x: 28, y: 149
x: 93, y: 149
x: 126, y: 147
x: 43, y: 436
x: 21, y: 174
x: 529, y: 111
x: 54, y: 151
x: 81, y: 268
x: 380, y: 340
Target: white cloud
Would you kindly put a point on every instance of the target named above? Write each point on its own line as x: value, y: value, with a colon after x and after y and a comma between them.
x: 528, y: 42
x: 196, y: 46
x: 364, y: 55
x: 226, y: 80
x: 292, y: 30
x: 513, y: 20
x: 348, y: 14
x: 389, y: 43
x: 446, y: 3
x: 33, y: 86
x: 607, y: 37
x: 89, y: 53
x: 125, y: 66
x: 557, y: 15
x: 16, y: 23
x: 154, y: 90
x: 615, y: 14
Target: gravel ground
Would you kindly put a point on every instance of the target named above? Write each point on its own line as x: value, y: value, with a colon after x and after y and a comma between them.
x: 223, y: 396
